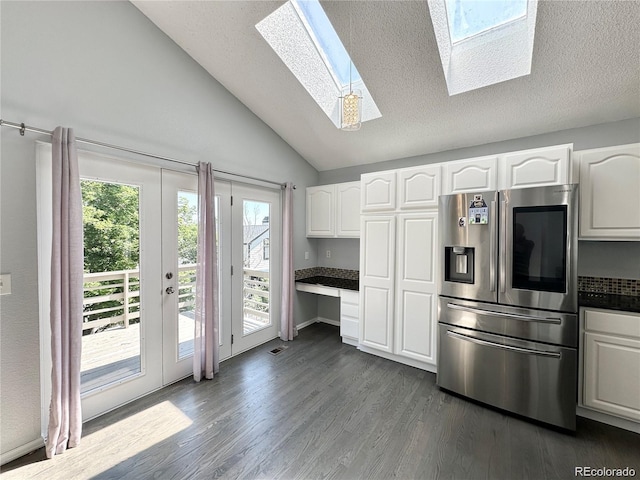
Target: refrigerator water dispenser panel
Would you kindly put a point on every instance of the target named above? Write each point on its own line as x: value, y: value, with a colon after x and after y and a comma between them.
x: 459, y: 264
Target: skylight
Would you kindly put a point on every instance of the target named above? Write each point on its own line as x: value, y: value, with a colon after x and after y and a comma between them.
x: 328, y: 41
x: 302, y: 36
x: 483, y: 42
x: 471, y: 17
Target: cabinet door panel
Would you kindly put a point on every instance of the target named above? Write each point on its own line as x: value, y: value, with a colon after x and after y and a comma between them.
x: 610, y: 193
x: 348, y: 209
x: 535, y: 168
x: 472, y: 175
x: 377, y: 271
x: 378, y: 191
x: 377, y: 315
x: 612, y: 375
x: 320, y: 211
x: 419, y: 187
x: 416, y: 287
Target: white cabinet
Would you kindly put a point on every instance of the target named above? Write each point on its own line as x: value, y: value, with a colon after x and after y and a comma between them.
x: 349, y: 316
x: 377, y: 278
x: 528, y: 168
x: 348, y: 209
x: 611, y: 371
x: 321, y: 211
x: 535, y: 168
x: 334, y: 210
x: 416, y: 287
x: 378, y: 191
x: 419, y: 187
x: 610, y: 193
x: 475, y: 174
x: 398, y: 290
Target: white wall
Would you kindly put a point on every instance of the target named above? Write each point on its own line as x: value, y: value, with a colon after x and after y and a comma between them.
x: 108, y: 72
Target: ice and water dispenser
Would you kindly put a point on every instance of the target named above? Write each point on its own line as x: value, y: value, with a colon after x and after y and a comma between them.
x: 459, y: 264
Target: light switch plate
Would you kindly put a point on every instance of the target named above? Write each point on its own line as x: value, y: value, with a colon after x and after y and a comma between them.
x: 5, y: 284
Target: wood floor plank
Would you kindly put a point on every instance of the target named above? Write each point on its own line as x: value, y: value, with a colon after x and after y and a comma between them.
x: 323, y: 410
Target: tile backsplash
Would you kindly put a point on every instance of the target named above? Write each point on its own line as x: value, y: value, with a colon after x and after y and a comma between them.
x: 613, y: 286
x: 327, y: 272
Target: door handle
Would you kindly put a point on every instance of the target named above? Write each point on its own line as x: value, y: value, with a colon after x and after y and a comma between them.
x: 518, y: 316
x: 503, y: 246
x: 486, y: 343
x: 169, y: 290
x: 492, y: 247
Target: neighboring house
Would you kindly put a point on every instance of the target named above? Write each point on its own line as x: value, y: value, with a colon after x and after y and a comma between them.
x: 256, y: 247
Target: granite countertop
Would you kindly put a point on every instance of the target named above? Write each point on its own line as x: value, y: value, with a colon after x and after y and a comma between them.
x: 609, y: 301
x: 331, y: 282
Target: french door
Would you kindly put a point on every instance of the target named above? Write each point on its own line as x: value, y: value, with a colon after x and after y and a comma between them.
x: 140, y: 244
x: 255, y: 254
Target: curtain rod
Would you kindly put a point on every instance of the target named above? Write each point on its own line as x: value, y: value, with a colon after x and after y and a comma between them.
x: 26, y: 128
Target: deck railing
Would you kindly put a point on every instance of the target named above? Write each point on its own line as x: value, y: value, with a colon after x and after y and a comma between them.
x: 256, y: 295
x: 113, y: 298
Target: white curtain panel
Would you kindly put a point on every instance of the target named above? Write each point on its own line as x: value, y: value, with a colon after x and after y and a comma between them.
x: 65, y: 415
x: 206, y: 356
x: 287, y: 323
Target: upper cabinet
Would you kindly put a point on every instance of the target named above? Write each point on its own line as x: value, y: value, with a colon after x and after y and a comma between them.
x: 419, y: 187
x: 348, y: 209
x: 334, y: 210
x: 378, y: 192
x: 529, y: 168
x: 475, y: 174
x: 535, y: 168
x: 610, y: 193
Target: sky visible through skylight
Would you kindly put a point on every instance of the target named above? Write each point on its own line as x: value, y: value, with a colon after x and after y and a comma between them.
x: 470, y: 17
x: 328, y: 41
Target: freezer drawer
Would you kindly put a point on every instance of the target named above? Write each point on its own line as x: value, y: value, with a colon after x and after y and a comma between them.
x: 532, y: 379
x: 526, y: 323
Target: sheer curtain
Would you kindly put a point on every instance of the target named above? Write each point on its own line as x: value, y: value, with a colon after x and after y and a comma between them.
x: 206, y: 341
x: 65, y: 415
x: 287, y: 323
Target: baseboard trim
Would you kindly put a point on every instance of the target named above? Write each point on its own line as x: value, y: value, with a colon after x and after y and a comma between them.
x: 608, y: 419
x: 329, y: 321
x: 302, y: 325
x: 397, y: 358
x: 21, y: 451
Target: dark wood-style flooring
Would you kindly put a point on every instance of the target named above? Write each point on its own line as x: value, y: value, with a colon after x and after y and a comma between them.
x: 322, y: 409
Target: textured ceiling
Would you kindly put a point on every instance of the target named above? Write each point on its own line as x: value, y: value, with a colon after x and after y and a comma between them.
x: 585, y: 71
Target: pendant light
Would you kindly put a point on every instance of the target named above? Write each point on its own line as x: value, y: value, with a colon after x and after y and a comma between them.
x: 350, y: 101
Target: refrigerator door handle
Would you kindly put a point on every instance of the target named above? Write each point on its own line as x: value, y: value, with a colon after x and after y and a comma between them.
x: 503, y: 246
x: 512, y: 348
x: 492, y: 247
x: 517, y: 316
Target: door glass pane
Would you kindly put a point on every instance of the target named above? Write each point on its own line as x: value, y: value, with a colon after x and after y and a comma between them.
x: 256, y: 250
x: 539, y: 248
x: 187, y: 257
x: 111, y: 319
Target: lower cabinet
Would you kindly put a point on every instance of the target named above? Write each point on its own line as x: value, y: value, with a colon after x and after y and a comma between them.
x: 611, y: 370
x: 349, y: 316
x: 398, y: 294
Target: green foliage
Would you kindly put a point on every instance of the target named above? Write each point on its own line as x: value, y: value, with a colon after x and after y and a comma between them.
x: 187, y: 231
x: 111, y: 226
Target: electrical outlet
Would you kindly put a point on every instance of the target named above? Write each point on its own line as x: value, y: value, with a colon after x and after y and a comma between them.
x: 306, y: 255
x: 5, y: 284
x: 328, y: 253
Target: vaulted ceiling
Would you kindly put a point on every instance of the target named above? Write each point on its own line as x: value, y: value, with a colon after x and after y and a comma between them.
x: 585, y: 71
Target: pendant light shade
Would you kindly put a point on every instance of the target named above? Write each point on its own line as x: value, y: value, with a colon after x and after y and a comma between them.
x: 350, y: 109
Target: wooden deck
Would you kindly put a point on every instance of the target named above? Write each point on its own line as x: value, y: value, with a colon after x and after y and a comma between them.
x: 114, y: 354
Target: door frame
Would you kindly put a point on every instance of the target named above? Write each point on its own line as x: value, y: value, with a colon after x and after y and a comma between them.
x: 102, y: 167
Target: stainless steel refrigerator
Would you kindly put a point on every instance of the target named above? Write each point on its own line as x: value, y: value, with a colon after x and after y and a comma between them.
x: 507, y: 313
